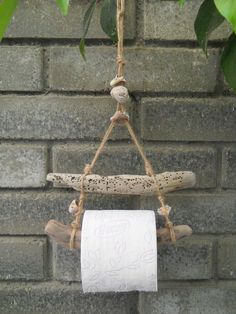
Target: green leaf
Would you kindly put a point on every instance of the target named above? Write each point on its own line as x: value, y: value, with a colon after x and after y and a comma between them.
x: 207, y: 20
x: 181, y: 2
x: 7, y: 9
x: 63, y: 6
x: 228, y: 61
x: 88, y: 17
x: 227, y: 8
x: 108, y: 19
x: 86, y: 22
x: 82, y: 48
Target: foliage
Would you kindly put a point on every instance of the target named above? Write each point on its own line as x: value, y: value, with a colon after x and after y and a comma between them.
x: 7, y: 8
x: 211, y: 14
x: 63, y: 6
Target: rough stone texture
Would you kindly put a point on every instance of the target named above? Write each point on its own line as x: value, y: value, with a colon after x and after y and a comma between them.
x: 204, y: 213
x: 22, y: 258
x: 28, y: 212
x: 42, y: 19
x: 66, y: 264
x: 189, y: 259
x: 114, y: 159
x: 227, y: 258
x: 189, y: 300
x: 188, y: 119
x: 229, y: 168
x: 21, y: 68
x: 166, y: 20
x: 177, y: 69
x: 22, y: 165
x: 53, y: 117
x: 55, y: 298
x: 200, y: 160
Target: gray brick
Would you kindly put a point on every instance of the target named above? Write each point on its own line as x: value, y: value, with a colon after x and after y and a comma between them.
x: 148, y: 69
x: 54, y: 117
x: 66, y: 264
x: 200, y: 160
x: 204, y: 213
x: 56, y: 298
x: 189, y: 259
x: 166, y: 20
x: 199, y: 300
x: 229, y: 168
x: 22, y: 258
x: 28, y: 212
x: 22, y: 165
x: 114, y: 159
x: 21, y: 68
x: 188, y: 119
x: 227, y: 257
x: 42, y: 19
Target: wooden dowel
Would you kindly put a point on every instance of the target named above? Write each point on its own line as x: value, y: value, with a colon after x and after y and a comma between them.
x: 126, y: 184
x: 60, y: 233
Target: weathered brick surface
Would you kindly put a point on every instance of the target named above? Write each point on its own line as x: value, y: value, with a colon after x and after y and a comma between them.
x: 22, y: 258
x: 66, y: 264
x: 56, y: 298
x: 204, y: 213
x: 54, y: 117
x: 125, y: 159
x: 229, y: 168
x: 200, y: 160
x: 177, y: 69
x: 42, y: 19
x: 28, y: 212
x: 21, y: 68
x: 166, y: 20
x: 189, y: 300
x: 22, y: 165
x: 188, y: 259
x: 227, y: 258
x: 114, y: 159
x: 188, y: 119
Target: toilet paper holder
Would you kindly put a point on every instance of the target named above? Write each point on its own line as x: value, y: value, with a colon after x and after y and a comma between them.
x: 69, y: 236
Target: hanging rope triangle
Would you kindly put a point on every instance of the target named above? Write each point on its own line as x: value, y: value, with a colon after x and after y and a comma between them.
x: 119, y: 117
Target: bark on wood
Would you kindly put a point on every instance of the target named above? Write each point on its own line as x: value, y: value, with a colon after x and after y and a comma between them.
x: 61, y: 234
x: 163, y: 235
x: 127, y: 184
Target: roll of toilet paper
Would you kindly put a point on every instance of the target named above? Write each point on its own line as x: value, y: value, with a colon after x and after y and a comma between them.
x: 119, y: 251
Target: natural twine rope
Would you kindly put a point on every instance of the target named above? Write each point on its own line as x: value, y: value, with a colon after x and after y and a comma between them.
x: 120, y: 107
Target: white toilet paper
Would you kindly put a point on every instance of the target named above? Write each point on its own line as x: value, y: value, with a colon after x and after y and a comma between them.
x: 119, y: 251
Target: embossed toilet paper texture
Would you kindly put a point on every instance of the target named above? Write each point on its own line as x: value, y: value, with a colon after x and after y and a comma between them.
x: 119, y: 251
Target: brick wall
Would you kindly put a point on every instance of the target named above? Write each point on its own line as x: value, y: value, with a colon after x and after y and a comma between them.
x: 54, y: 109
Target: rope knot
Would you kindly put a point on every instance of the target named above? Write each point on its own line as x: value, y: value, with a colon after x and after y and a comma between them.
x: 148, y: 169
x: 121, y: 60
x: 75, y: 225
x: 87, y: 169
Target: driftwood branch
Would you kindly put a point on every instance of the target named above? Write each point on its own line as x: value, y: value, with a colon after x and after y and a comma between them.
x: 61, y: 234
x: 127, y: 184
